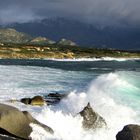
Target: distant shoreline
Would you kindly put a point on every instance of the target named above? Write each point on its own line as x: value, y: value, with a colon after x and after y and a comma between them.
x: 43, y: 62
x: 18, y: 51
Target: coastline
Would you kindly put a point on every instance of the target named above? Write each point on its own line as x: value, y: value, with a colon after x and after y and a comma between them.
x: 95, y: 59
x: 78, y: 59
x: 55, y: 52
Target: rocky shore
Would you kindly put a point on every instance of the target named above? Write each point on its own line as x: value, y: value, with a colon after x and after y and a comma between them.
x: 15, y: 124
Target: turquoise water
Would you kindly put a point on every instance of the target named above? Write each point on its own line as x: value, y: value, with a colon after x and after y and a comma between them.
x: 112, y: 87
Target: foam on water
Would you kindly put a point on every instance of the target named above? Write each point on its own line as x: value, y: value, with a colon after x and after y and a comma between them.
x: 67, y: 124
x: 95, y: 59
x: 115, y: 96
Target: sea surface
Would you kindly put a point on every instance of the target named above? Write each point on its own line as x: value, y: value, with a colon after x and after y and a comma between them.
x: 112, y: 86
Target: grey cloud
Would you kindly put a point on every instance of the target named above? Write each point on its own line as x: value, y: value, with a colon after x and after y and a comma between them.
x: 101, y: 12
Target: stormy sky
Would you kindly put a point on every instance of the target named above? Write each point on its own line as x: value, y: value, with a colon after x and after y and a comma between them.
x: 101, y: 12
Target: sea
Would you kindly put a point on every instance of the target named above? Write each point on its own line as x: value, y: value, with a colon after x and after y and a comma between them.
x: 112, y: 86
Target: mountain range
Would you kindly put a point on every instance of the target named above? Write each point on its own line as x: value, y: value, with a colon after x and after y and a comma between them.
x: 12, y: 36
x: 82, y: 33
x: 19, y: 45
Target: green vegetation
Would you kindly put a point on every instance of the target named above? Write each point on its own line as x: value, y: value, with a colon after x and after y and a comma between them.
x: 59, y: 51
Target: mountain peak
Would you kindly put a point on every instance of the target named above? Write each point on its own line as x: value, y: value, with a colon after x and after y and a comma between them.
x: 42, y: 40
x: 64, y: 41
x: 10, y: 35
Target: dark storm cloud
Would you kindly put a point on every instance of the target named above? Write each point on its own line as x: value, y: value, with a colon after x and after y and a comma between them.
x: 102, y: 12
x: 24, y: 10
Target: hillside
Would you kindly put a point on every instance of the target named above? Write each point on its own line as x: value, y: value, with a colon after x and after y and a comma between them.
x: 10, y: 35
x: 57, y: 51
x: 14, y: 44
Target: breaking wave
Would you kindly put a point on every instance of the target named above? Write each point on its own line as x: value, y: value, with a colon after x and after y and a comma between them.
x: 115, y: 96
x: 106, y: 94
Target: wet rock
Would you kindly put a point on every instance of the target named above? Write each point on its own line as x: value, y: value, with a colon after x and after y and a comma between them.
x: 129, y: 132
x: 41, y: 41
x: 54, y: 98
x: 91, y: 119
x: 36, y: 100
x: 32, y: 120
x: 26, y: 100
x: 14, y: 122
x: 56, y: 95
x: 7, y: 136
x: 50, y: 99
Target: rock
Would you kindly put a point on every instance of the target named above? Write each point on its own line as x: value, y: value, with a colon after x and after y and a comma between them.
x: 4, y: 137
x: 129, y: 132
x: 32, y: 120
x: 91, y: 120
x: 14, y: 121
x: 54, y: 98
x: 17, y: 123
x: 26, y: 100
x: 50, y: 99
x: 56, y: 95
x: 36, y: 100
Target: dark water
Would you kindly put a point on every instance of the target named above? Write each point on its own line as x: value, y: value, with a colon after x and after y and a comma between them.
x: 98, y: 66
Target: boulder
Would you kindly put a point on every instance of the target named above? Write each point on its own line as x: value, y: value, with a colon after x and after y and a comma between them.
x: 54, y: 98
x: 4, y: 137
x: 91, y: 119
x: 26, y: 101
x: 36, y: 100
x: 56, y: 95
x: 14, y: 122
x: 129, y: 132
x: 50, y: 99
x: 32, y: 120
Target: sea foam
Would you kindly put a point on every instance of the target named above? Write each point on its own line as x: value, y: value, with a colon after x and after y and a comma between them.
x: 94, y: 59
x: 115, y: 96
x: 66, y: 122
